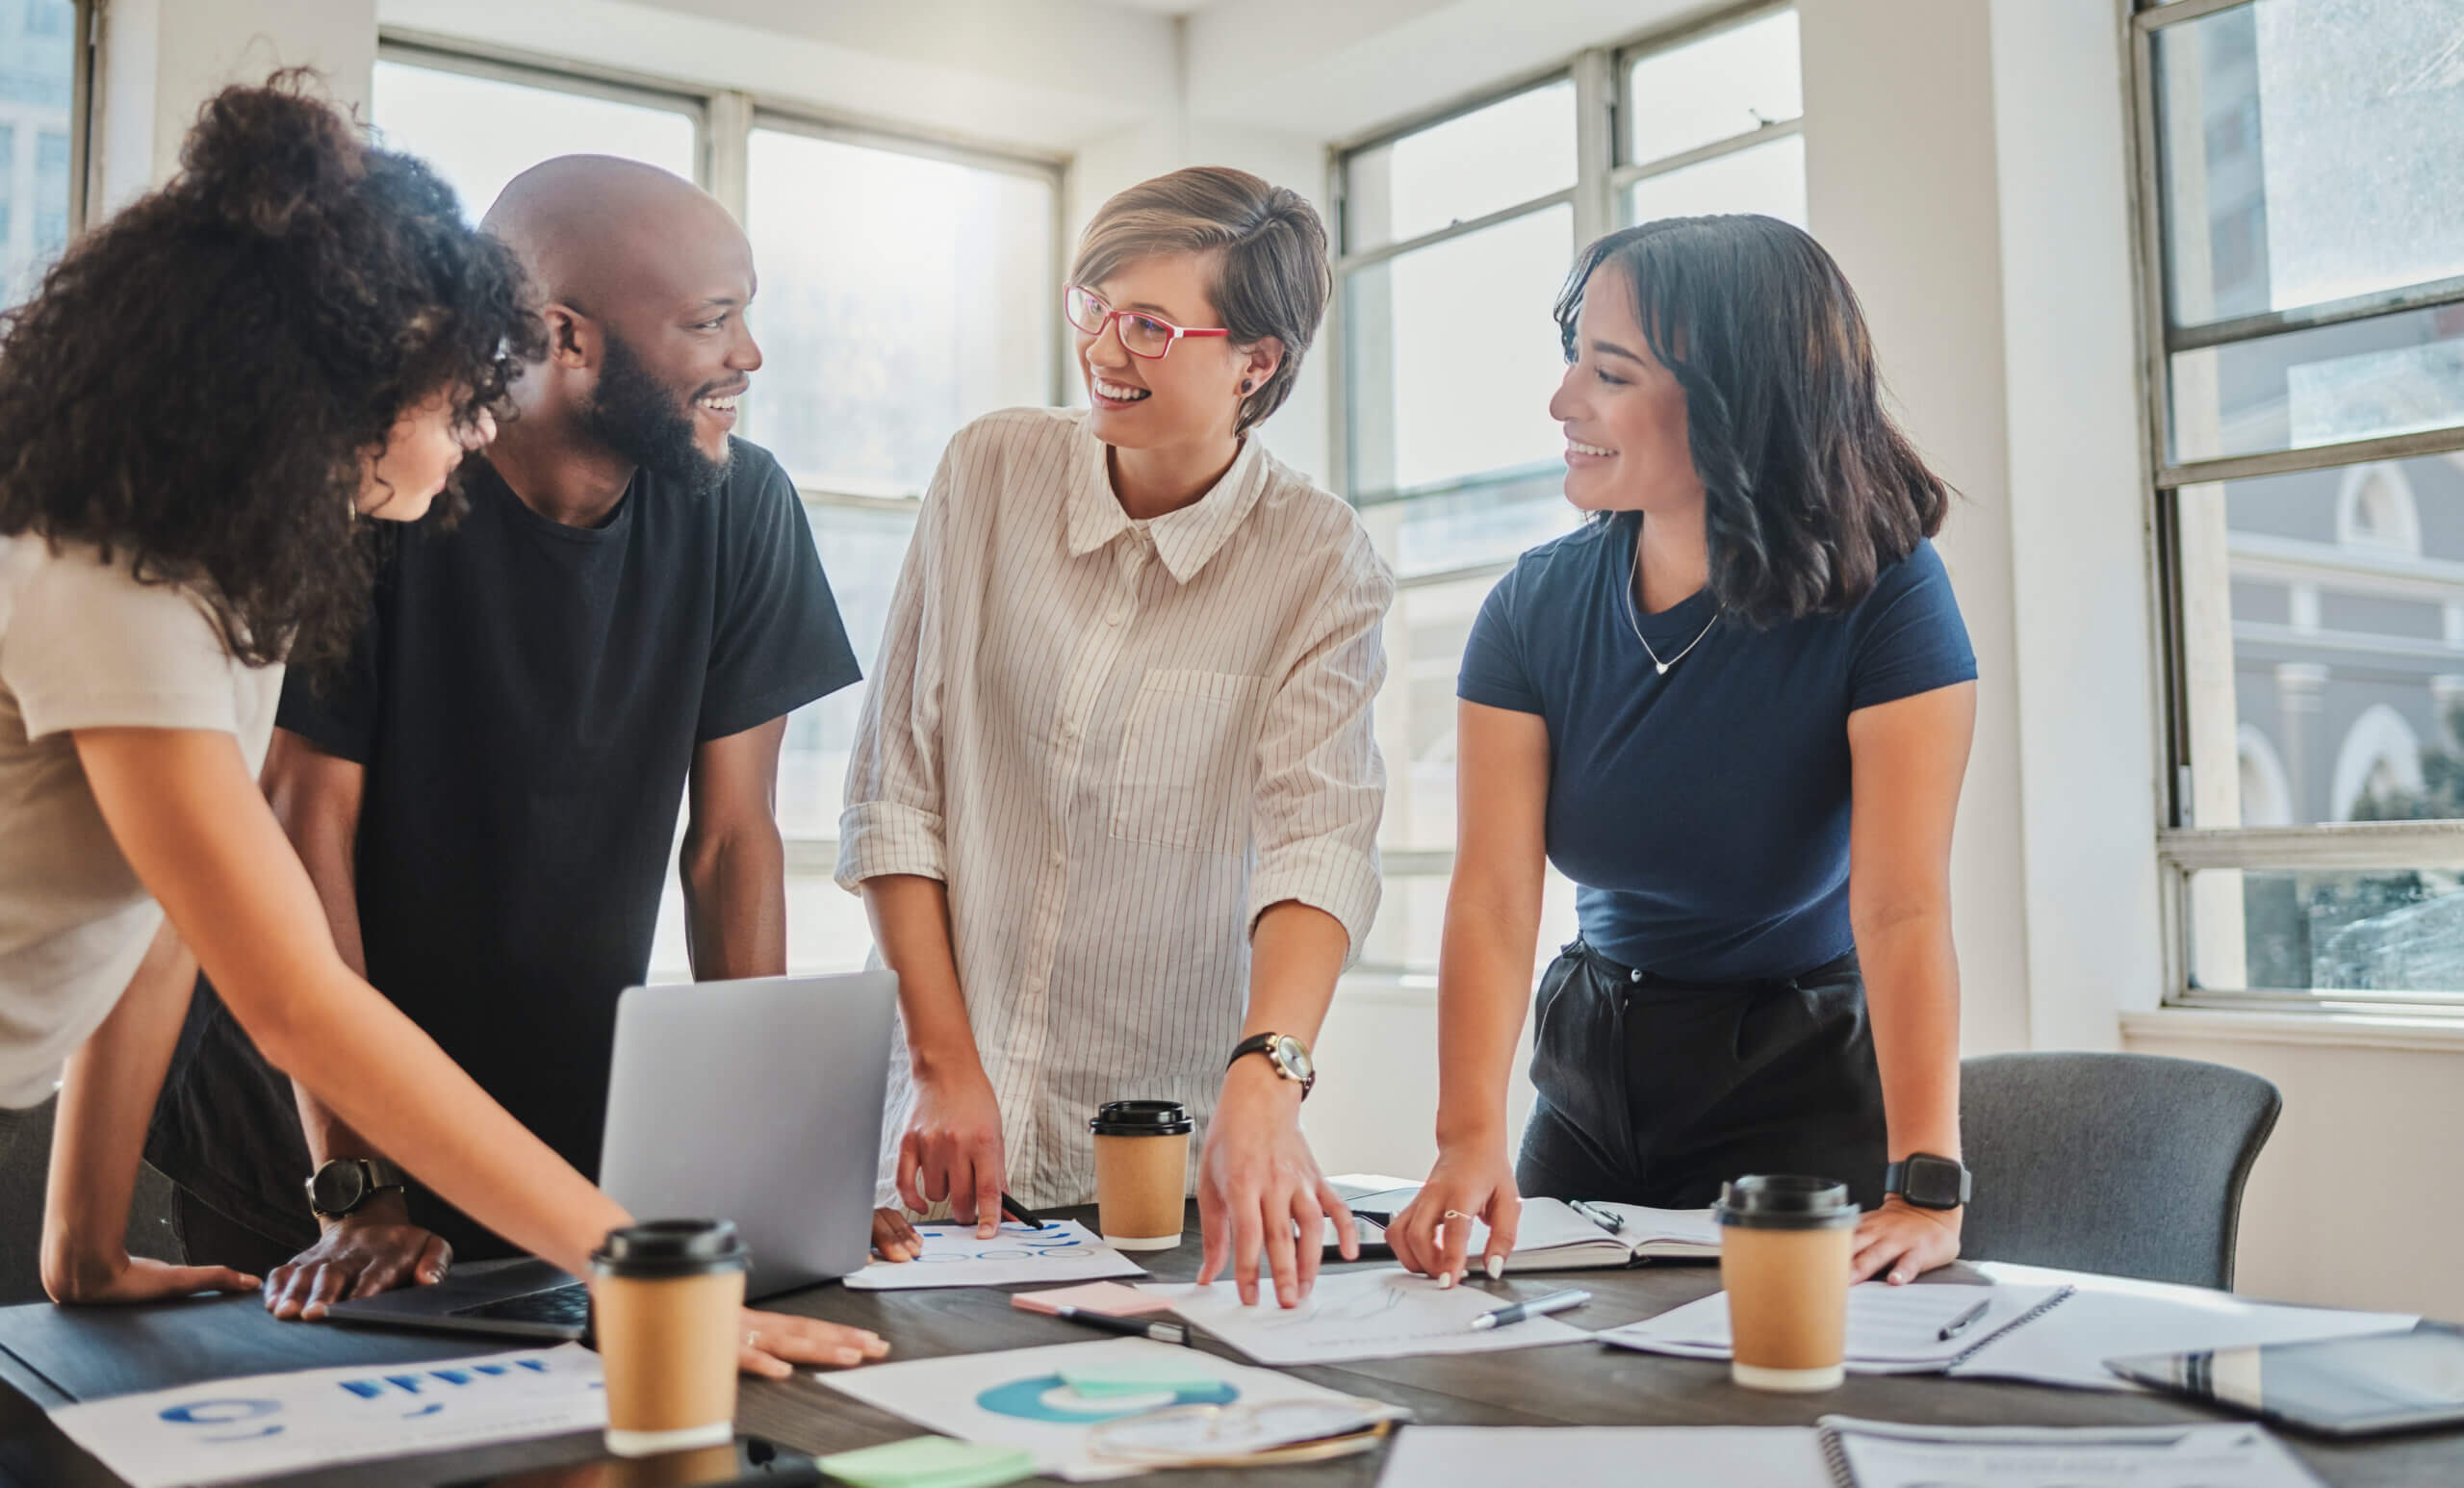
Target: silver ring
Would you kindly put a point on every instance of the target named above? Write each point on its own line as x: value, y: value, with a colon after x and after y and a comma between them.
x: 1456, y: 1213
x: 752, y: 1337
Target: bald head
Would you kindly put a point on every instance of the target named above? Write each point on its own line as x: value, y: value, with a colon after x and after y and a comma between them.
x: 645, y: 280
x: 611, y: 236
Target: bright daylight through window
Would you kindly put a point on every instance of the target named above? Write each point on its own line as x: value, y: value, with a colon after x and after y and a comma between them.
x: 2305, y: 221
x: 1454, y: 237
x: 878, y: 344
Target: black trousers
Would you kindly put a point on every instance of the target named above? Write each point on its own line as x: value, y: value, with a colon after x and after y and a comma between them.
x: 1655, y: 1092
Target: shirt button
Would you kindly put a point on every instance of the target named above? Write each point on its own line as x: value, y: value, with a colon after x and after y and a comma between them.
x: 1115, y: 617
x: 1056, y: 857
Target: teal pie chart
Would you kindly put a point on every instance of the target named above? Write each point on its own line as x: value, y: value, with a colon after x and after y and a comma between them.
x: 1027, y: 1399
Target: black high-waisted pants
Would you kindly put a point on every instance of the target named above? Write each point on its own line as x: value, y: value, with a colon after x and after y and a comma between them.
x: 1654, y: 1092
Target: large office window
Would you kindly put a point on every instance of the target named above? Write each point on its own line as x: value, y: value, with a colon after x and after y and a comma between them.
x: 2302, y: 205
x: 907, y: 286
x: 40, y: 54
x: 1455, y: 233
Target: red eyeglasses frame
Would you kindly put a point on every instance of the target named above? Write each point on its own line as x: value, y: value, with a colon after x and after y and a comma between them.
x: 1110, y: 314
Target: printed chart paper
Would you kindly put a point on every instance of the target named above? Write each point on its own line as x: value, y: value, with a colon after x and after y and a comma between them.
x: 1385, y: 1314
x: 269, y: 1424
x: 1061, y: 1253
x: 1018, y: 1397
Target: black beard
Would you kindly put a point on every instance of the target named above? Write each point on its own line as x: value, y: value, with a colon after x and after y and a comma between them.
x: 643, y: 420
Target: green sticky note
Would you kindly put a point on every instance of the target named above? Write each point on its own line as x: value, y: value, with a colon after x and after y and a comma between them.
x: 931, y: 1462
x: 1140, y: 1376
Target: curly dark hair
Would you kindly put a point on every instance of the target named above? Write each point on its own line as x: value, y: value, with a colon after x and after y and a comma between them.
x: 200, y: 379
x: 1810, y: 488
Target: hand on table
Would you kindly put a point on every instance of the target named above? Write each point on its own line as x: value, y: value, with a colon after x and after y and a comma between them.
x: 894, y: 1239
x: 373, y: 1249
x: 775, y: 1342
x: 952, y: 1150
x: 1471, y: 1180
x: 121, y: 1278
x: 1259, y: 1191
x: 1905, y: 1241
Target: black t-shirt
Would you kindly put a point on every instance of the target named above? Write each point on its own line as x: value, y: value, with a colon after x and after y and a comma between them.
x: 527, y: 699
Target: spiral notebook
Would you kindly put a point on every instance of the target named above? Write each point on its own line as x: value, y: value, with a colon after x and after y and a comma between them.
x: 1891, y: 1331
x: 1552, y: 1236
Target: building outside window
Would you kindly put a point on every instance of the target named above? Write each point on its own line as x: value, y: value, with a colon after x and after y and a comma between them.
x: 2303, y: 214
x: 38, y: 66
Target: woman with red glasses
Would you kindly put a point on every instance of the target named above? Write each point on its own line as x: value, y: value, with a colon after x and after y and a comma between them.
x: 1113, y: 800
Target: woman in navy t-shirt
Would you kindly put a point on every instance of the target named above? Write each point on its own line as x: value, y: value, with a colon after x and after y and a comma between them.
x: 1734, y: 709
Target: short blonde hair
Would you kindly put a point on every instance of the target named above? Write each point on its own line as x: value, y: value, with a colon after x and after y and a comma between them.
x: 1269, y: 248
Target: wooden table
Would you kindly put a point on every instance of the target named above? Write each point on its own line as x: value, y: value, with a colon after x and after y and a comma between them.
x: 116, y: 1351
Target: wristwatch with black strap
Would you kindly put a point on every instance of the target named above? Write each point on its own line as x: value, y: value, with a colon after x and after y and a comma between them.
x: 1288, y: 1055
x: 343, y: 1185
x: 1928, y: 1181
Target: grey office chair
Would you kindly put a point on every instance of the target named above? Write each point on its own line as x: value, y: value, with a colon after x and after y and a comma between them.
x: 2128, y: 1163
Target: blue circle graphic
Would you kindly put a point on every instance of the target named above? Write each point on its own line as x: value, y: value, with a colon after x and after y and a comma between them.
x: 1024, y: 1399
x: 219, y: 1413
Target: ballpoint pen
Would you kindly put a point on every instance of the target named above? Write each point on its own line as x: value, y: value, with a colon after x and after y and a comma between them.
x: 1606, y: 1221
x: 1538, y: 1306
x: 1127, y: 1327
x: 1963, y: 1321
x: 1021, y: 1213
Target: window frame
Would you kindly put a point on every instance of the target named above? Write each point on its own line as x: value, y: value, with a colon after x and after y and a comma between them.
x: 2183, y: 848
x: 1601, y: 173
x: 724, y: 120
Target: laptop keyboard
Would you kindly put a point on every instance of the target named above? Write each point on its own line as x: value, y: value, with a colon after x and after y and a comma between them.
x: 566, y: 1306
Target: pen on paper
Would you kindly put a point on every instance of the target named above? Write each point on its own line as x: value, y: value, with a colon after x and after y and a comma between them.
x: 1537, y: 1307
x: 1021, y: 1213
x: 1127, y: 1327
x: 1614, y: 1224
x: 1963, y: 1321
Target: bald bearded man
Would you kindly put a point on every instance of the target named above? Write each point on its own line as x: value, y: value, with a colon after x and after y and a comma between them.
x: 486, y: 799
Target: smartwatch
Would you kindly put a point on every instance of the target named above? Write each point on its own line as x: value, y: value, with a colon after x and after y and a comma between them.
x: 1928, y: 1181
x: 1289, y: 1056
x: 344, y: 1184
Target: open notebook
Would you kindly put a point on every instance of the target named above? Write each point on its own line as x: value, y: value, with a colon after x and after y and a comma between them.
x: 1552, y: 1236
x: 1891, y: 1331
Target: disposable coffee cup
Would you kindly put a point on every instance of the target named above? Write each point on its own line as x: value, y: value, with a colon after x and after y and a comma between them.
x: 1783, y: 1260
x: 667, y: 1306
x: 1142, y: 1172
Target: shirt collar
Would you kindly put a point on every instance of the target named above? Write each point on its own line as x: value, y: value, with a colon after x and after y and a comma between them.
x: 1184, y: 539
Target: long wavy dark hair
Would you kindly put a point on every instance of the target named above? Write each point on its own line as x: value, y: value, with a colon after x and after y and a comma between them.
x: 1810, y: 488
x: 199, y: 381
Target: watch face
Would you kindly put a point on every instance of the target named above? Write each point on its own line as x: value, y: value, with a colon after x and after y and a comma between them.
x: 1294, y: 1055
x: 337, y: 1188
x: 1930, y: 1182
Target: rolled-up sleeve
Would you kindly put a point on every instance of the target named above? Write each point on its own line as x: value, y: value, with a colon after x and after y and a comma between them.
x: 892, y: 821
x: 1322, y: 785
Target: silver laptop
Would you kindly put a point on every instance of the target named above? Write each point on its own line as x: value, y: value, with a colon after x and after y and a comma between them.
x: 754, y: 1101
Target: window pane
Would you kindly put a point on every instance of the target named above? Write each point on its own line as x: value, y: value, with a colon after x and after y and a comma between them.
x: 1452, y: 354
x: 1767, y: 178
x: 1512, y: 152
x: 862, y: 548
x: 1728, y: 84
x: 2310, y: 152
x: 2283, y: 930
x: 2324, y: 636
x: 37, y: 86
x: 480, y: 133
x: 1488, y: 523
x: 2322, y: 386
x: 901, y: 297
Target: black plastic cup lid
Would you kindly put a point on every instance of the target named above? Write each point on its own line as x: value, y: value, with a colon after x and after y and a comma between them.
x: 1785, y: 1201
x: 672, y: 1247
x: 1141, y: 1118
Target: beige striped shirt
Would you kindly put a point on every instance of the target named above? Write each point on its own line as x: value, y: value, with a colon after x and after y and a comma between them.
x: 1117, y: 743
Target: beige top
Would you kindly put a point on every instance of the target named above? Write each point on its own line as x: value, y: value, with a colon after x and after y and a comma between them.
x: 1117, y: 742
x: 83, y: 645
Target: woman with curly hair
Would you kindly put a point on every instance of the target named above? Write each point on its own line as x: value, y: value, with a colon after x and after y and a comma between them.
x: 209, y: 394
x: 1734, y: 709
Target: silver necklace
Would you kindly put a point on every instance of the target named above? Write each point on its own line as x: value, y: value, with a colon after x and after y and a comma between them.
x: 1634, y: 581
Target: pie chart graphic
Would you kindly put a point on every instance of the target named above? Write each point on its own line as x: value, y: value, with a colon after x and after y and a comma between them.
x: 1033, y: 1399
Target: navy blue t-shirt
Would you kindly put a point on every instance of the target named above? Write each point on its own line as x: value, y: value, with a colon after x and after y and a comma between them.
x: 1702, y: 815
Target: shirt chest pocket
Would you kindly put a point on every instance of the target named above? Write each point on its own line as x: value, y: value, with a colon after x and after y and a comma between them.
x: 1189, y: 761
